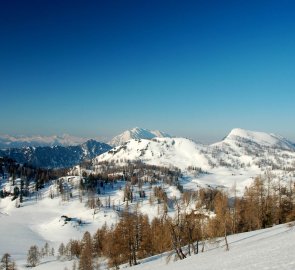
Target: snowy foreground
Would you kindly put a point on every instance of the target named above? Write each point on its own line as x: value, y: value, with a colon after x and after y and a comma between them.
x: 39, y: 221
x: 271, y: 248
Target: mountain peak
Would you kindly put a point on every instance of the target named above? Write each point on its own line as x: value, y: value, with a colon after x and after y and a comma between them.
x: 136, y: 133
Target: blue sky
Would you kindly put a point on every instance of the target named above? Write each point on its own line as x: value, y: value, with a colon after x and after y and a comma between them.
x: 190, y: 68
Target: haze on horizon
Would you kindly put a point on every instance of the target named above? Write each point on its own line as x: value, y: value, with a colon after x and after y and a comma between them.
x: 195, y: 69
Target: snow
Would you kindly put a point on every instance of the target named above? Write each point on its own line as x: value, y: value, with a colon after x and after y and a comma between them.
x: 170, y: 152
x: 222, y: 178
x: 39, y: 221
x: 261, y: 138
x: 136, y: 133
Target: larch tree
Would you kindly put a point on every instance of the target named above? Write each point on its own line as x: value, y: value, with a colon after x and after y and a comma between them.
x: 7, y: 263
x: 86, y: 257
x: 33, y: 257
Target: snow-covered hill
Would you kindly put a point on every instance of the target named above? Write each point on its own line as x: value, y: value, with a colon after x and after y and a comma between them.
x: 136, y: 133
x: 259, y: 138
x: 7, y: 141
x: 170, y: 152
x: 240, y: 157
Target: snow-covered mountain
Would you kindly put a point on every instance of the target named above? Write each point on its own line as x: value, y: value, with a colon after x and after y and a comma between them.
x: 136, y: 133
x: 239, y: 147
x: 176, y: 152
x: 56, y: 156
x: 239, y: 157
x: 7, y: 141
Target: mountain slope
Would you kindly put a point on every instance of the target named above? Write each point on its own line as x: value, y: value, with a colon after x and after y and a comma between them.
x: 56, y: 156
x: 136, y: 133
x: 260, y: 138
x: 176, y: 152
x: 261, y: 249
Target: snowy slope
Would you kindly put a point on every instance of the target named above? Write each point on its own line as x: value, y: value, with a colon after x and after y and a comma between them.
x: 170, y: 152
x: 260, y: 138
x: 39, y: 221
x: 271, y: 248
x: 136, y: 133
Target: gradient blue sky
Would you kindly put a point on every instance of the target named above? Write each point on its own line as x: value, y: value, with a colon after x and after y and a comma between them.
x: 190, y: 68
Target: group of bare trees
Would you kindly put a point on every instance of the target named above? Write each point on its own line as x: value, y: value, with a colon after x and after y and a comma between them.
x: 265, y: 202
x: 35, y: 254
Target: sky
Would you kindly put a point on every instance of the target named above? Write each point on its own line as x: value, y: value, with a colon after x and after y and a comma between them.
x: 190, y: 68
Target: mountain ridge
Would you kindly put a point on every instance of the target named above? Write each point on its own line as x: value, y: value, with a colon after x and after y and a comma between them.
x: 136, y: 133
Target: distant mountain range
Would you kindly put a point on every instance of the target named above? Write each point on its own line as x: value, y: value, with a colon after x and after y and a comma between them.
x: 56, y: 156
x: 7, y: 141
x: 239, y: 149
